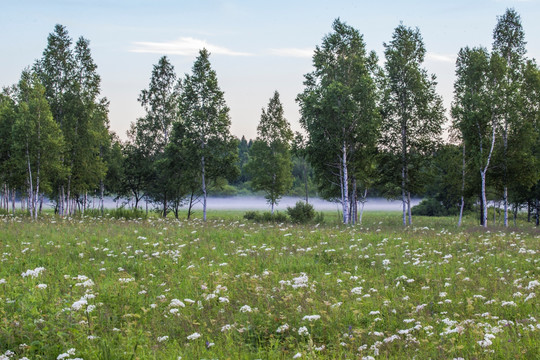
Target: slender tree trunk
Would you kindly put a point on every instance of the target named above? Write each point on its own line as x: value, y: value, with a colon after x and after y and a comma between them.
x: 505, y: 200
x: 36, y: 194
x: 462, y: 188
x: 101, y: 197
x: 484, y: 200
x: 30, y: 183
x: 409, y: 207
x: 13, y: 200
x: 41, y: 196
x: 345, y: 200
x: 484, y: 171
x: 306, y: 181
x: 165, y: 205
x: 364, y: 199
x: 537, y: 212
x: 404, y: 170
x: 528, y: 210
x: 68, y: 197
x: 190, y: 206
x: 273, y: 193
x: 203, y: 175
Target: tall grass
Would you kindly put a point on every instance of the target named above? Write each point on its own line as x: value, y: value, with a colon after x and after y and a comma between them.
x: 134, y: 288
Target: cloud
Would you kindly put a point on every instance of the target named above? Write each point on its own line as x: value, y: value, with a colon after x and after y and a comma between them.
x: 185, y: 46
x: 440, y: 57
x: 292, y: 52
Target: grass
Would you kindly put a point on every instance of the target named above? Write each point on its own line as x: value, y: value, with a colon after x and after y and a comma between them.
x: 145, y: 289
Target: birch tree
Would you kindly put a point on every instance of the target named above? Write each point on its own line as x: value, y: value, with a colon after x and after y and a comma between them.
x: 475, y: 111
x: 37, y: 140
x: 509, y: 44
x: 412, y: 110
x: 207, y: 124
x: 339, y: 112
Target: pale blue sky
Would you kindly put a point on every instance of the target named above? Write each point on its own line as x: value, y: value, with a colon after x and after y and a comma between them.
x: 257, y: 47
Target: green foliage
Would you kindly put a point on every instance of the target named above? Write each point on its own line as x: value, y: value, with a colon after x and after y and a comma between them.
x: 269, y: 162
x: 301, y: 213
x: 430, y: 207
x: 206, y: 122
x: 339, y: 112
x: 118, y: 213
x: 266, y: 217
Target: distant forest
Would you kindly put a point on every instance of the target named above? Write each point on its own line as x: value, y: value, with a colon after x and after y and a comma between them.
x: 368, y: 130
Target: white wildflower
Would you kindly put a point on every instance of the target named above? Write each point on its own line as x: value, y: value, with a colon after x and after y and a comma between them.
x: 245, y: 308
x: 311, y: 317
x: 162, y: 338
x: 194, y: 336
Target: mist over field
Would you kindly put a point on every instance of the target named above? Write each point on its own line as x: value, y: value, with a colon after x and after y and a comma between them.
x: 259, y: 203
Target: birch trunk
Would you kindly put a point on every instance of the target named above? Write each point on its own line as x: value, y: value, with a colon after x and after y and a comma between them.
x: 345, y: 201
x: 364, y: 199
x: 30, y: 183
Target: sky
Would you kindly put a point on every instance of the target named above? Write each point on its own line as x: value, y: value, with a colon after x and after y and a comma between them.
x: 256, y: 47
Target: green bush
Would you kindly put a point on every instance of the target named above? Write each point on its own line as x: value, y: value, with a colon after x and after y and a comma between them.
x: 251, y: 215
x: 266, y: 216
x: 429, y: 207
x: 301, y: 213
x: 119, y: 213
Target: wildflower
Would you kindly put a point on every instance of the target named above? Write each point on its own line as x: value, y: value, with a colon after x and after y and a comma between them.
x: 77, y: 305
x: 245, y: 308
x: 67, y: 354
x: 303, y: 331
x: 311, y: 317
x: 176, y: 303
x: 33, y: 273
x: 194, y: 336
x: 226, y: 328
x: 41, y: 286
x: 162, y: 338
x: 298, y: 355
x: 282, y: 328
x: 357, y: 290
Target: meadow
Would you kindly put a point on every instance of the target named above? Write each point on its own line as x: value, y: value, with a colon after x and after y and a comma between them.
x: 102, y: 288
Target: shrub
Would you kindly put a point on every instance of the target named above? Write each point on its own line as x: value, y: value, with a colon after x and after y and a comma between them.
x: 266, y: 216
x: 301, y: 213
x: 429, y: 207
x: 251, y: 215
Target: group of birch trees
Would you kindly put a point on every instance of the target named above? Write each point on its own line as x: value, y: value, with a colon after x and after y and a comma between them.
x: 372, y: 126
x: 54, y: 129
x: 368, y: 124
x: 496, y: 119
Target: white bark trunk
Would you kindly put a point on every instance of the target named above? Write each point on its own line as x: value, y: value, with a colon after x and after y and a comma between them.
x: 345, y: 201
x: 364, y: 199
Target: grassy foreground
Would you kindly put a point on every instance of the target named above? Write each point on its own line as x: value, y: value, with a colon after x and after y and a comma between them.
x: 96, y: 288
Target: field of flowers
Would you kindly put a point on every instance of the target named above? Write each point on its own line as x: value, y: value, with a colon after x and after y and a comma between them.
x: 96, y: 288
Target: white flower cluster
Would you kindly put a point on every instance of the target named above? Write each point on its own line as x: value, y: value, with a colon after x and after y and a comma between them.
x: 33, y: 273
